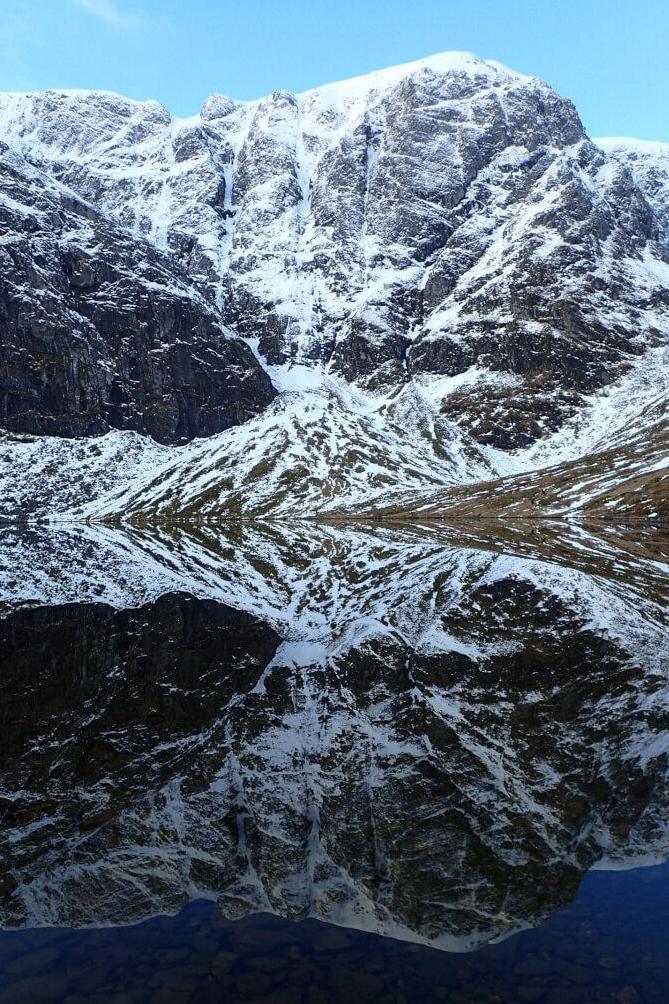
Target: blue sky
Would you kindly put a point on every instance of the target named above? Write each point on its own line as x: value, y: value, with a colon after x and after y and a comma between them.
x: 610, y: 56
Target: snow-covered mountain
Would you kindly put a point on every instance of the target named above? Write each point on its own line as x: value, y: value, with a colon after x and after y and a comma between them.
x: 412, y: 732
x: 648, y: 163
x: 433, y: 265
x: 425, y: 291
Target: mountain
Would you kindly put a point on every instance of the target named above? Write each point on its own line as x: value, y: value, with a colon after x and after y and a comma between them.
x: 418, y: 733
x: 433, y: 266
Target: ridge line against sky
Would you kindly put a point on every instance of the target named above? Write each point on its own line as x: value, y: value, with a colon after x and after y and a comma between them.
x: 609, y: 60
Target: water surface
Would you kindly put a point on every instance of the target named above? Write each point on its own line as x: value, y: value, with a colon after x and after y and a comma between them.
x: 331, y: 763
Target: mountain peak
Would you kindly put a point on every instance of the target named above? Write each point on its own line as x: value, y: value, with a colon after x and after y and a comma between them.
x: 633, y: 146
x: 360, y: 86
x: 439, y: 63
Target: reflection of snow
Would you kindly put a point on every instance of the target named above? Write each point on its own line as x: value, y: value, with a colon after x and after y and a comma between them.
x: 431, y: 721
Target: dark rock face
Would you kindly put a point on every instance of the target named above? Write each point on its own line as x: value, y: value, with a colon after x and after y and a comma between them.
x: 648, y: 164
x: 99, y: 330
x: 151, y: 676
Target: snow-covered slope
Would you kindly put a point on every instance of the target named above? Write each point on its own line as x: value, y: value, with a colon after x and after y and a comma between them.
x: 325, y: 449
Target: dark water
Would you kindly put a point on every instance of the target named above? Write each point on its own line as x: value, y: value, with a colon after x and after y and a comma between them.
x: 611, y: 945
x: 226, y: 754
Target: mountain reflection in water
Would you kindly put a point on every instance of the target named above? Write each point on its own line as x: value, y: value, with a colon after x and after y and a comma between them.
x: 422, y: 732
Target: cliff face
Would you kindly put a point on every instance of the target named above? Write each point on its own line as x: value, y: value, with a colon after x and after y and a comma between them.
x: 648, y: 164
x: 446, y: 217
x: 100, y: 330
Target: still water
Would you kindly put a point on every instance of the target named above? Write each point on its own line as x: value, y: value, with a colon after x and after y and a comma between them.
x: 322, y: 764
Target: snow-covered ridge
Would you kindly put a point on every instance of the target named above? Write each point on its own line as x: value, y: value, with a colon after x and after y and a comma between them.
x: 628, y: 144
x: 358, y: 88
x: 352, y: 87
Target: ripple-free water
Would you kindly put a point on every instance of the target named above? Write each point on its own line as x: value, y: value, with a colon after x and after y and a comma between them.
x: 333, y: 765
x: 611, y: 945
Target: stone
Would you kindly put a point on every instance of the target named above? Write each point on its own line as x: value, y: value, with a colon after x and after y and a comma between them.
x: 356, y: 983
x: 272, y: 964
x: 564, y: 995
x: 46, y: 989
x: 534, y: 965
x: 533, y: 993
x: 575, y: 973
x: 223, y: 962
x: 259, y: 937
x: 628, y: 995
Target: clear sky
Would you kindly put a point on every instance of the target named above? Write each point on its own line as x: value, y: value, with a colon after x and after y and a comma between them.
x: 610, y: 56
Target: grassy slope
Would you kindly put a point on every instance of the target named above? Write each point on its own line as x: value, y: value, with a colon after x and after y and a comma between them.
x: 629, y: 481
